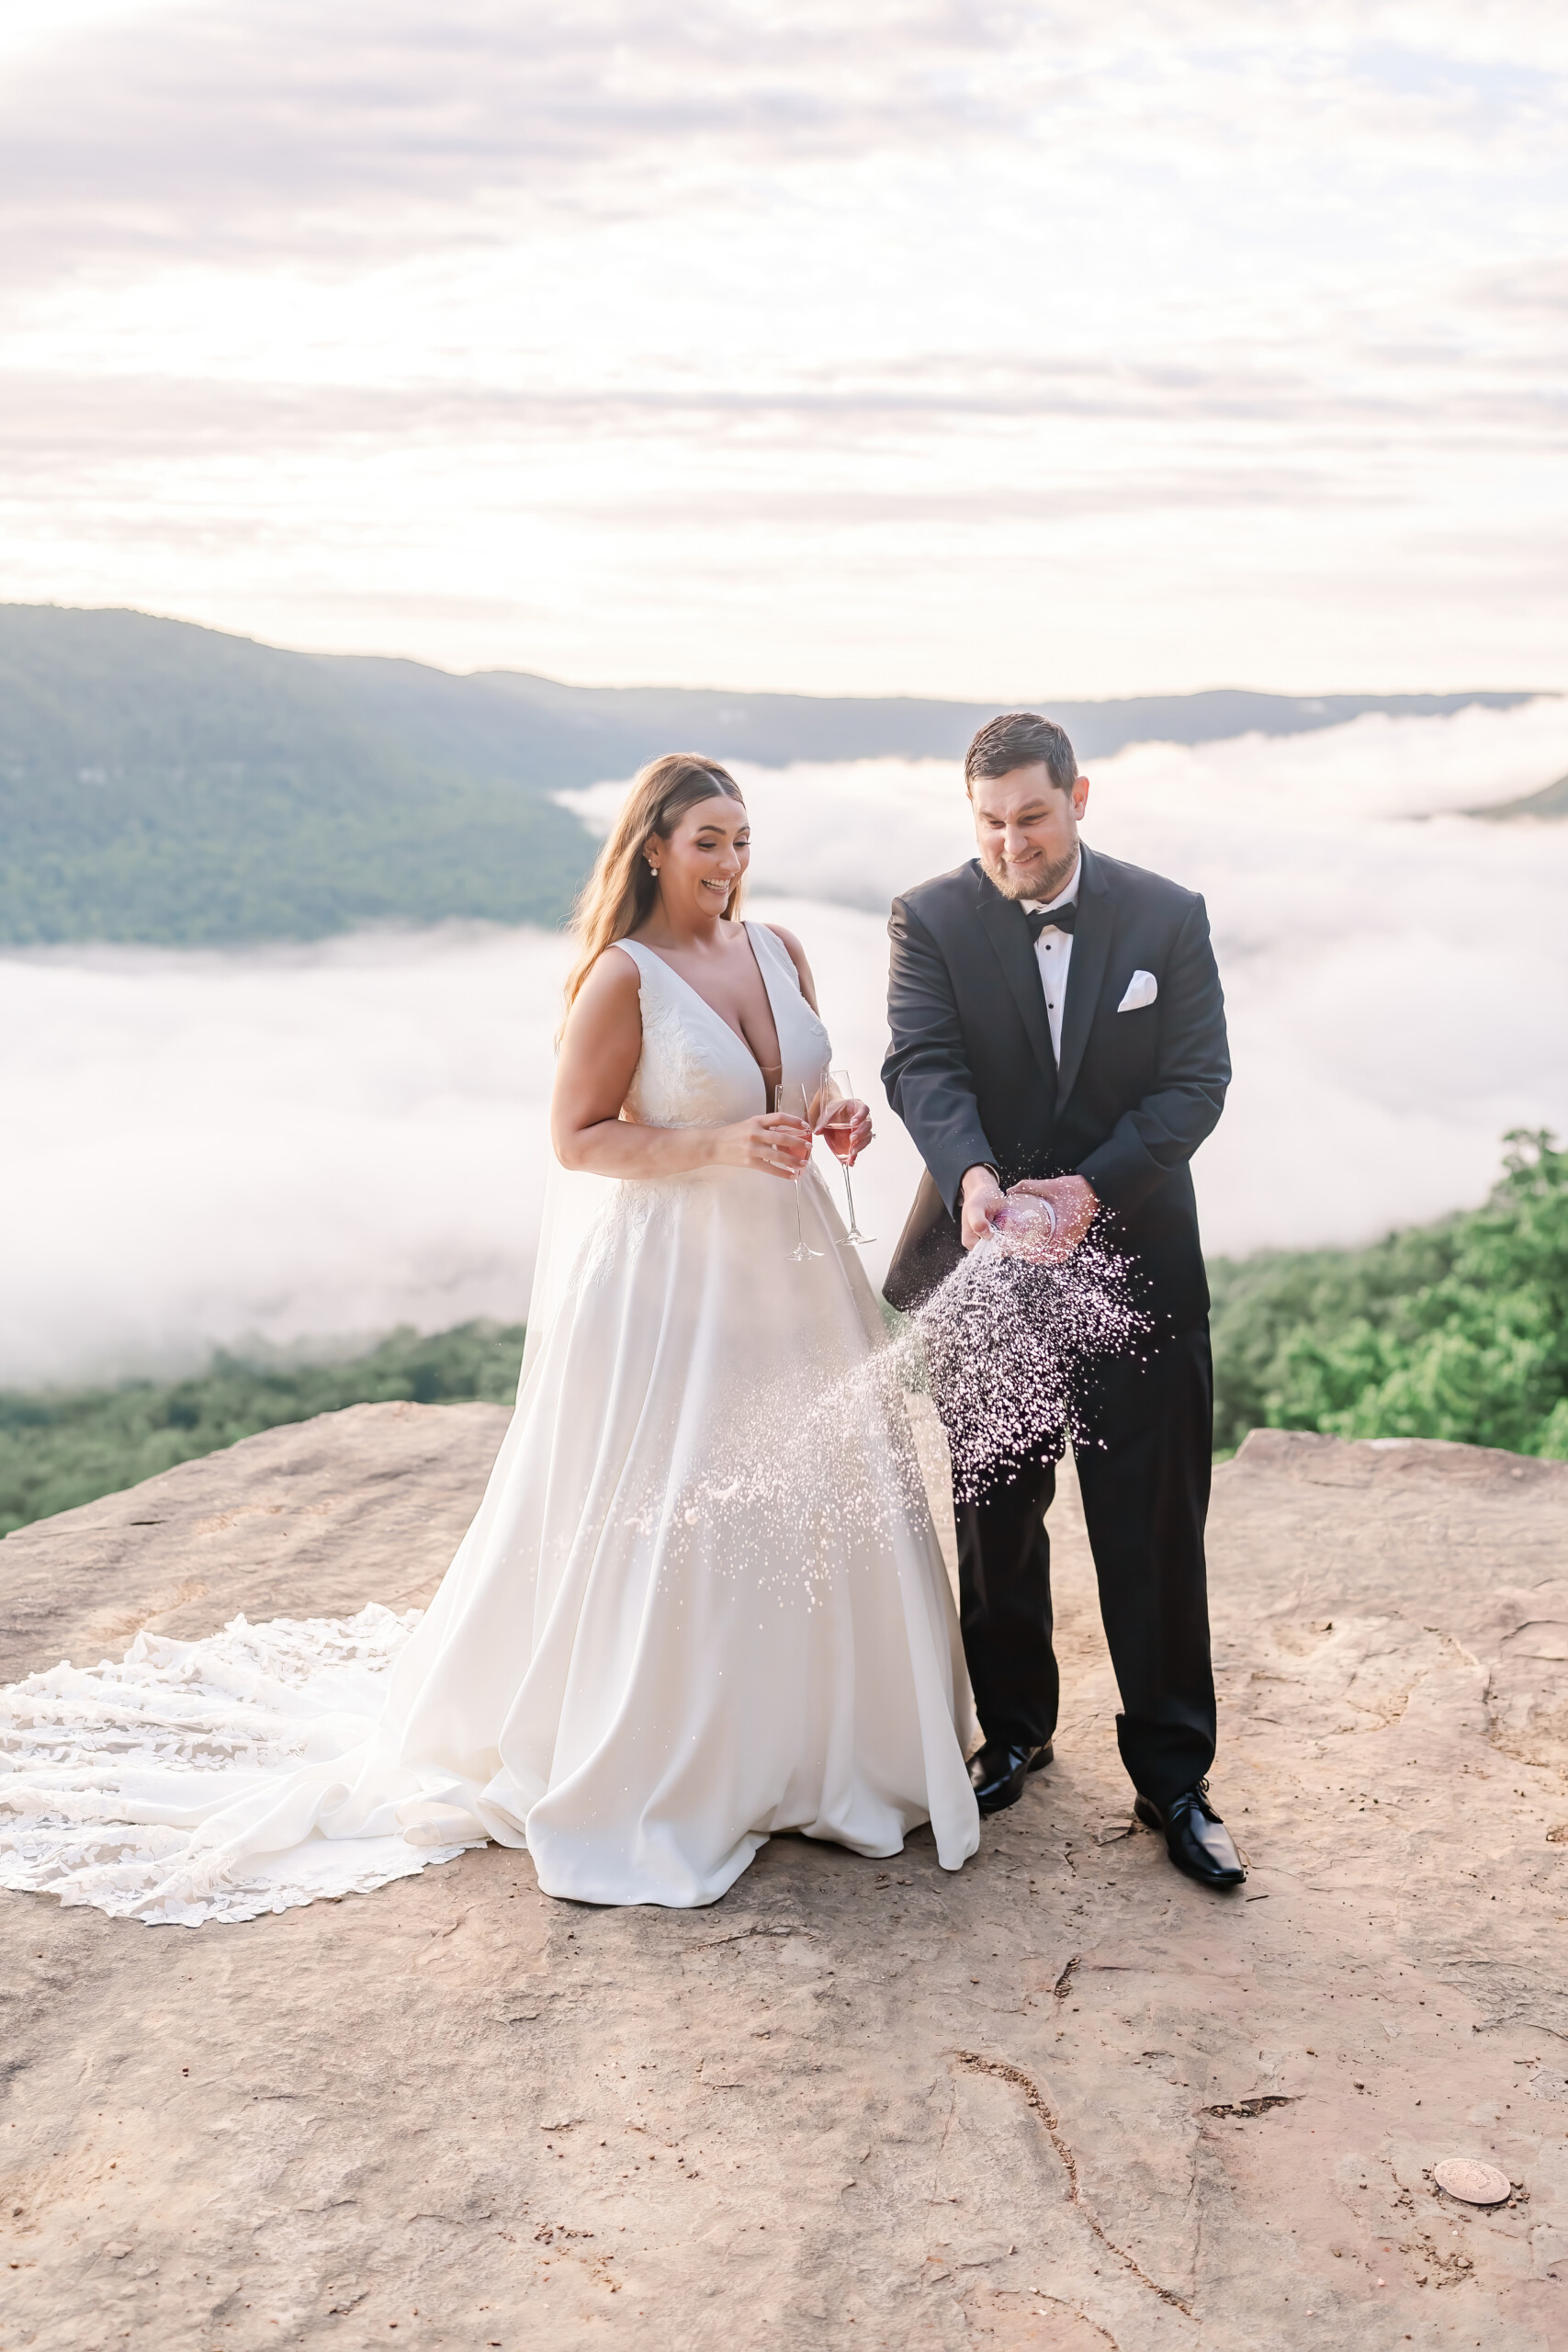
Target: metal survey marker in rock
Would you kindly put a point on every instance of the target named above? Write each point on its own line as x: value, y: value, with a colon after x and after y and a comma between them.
x: 1475, y: 2184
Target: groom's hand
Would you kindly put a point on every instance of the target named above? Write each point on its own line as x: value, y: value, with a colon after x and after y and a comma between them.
x: 983, y: 1196
x: 1074, y: 1202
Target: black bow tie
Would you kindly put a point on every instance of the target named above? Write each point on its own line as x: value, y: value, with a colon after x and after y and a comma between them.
x: 1040, y: 919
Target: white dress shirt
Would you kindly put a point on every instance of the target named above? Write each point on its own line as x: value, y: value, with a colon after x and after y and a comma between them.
x: 1054, y: 953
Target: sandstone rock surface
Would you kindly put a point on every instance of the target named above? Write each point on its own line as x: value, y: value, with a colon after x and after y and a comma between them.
x: 1062, y: 2101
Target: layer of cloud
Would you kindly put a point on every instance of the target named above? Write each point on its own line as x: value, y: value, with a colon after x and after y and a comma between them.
x: 304, y: 1144
x: 858, y: 831
x: 281, y: 1143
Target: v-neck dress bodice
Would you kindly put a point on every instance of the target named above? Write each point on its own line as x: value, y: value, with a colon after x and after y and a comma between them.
x: 695, y: 1072
x: 702, y: 1599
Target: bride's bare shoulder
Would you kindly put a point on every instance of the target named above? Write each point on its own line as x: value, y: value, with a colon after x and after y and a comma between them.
x: 609, y: 997
x: 616, y: 966
x: 614, y: 971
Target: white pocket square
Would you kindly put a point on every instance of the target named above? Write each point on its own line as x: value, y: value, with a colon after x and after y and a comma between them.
x: 1142, y: 988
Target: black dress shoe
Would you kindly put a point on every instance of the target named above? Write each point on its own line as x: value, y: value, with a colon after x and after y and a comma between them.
x: 1195, y: 1838
x: 997, y: 1774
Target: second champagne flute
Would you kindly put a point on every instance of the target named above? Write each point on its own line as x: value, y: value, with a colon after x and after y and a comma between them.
x: 793, y: 1103
x: 835, y: 1124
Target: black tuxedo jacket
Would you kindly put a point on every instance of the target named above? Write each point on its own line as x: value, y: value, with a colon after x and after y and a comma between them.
x: 971, y: 1073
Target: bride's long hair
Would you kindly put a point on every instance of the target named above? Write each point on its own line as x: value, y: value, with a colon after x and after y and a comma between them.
x: 619, y: 893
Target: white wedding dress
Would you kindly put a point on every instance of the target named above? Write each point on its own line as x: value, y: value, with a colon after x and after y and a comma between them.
x: 702, y: 1599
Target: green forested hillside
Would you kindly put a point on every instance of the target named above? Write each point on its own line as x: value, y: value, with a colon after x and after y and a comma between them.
x: 1455, y: 1330
x: 166, y: 784
x: 66, y: 1446
x: 169, y: 783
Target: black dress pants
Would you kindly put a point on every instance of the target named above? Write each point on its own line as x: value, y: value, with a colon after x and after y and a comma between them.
x: 1144, y: 1471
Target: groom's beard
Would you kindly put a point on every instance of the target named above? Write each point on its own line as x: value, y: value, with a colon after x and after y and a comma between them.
x: 1034, y: 881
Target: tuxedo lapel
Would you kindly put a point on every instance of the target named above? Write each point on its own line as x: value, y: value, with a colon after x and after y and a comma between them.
x: 1008, y: 933
x: 1085, y: 972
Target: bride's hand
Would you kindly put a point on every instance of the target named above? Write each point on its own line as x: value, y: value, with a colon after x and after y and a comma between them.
x: 859, y: 1125
x: 775, y: 1143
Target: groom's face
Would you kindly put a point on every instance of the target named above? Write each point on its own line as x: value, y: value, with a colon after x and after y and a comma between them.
x: 1027, y: 830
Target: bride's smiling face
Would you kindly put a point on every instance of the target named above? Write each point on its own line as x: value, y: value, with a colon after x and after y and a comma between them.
x: 703, y: 858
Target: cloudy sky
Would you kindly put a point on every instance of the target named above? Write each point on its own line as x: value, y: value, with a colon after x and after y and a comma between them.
x: 979, y: 349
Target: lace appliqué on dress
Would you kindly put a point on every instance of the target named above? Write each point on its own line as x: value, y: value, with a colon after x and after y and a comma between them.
x: 673, y: 1080
x: 105, y: 1770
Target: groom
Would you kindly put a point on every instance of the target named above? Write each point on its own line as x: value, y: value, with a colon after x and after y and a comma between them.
x: 1056, y: 1020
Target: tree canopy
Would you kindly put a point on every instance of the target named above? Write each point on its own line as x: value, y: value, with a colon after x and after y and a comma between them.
x: 1455, y: 1330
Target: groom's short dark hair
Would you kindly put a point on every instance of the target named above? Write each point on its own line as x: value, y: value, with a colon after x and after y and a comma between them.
x: 1022, y: 738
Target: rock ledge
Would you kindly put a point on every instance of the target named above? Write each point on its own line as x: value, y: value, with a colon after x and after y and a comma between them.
x: 1066, y: 2100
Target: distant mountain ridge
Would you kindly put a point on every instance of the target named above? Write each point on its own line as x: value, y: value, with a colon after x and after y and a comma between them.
x: 776, y: 729
x: 166, y: 783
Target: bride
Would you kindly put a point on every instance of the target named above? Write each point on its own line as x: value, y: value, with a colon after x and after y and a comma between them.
x: 702, y: 1599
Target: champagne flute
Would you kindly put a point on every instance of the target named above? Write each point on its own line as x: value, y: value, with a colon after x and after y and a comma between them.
x: 835, y: 1126
x: 793, y: 1103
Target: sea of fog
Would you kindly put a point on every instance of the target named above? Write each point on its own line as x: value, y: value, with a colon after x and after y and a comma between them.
x: 308, y: 1144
